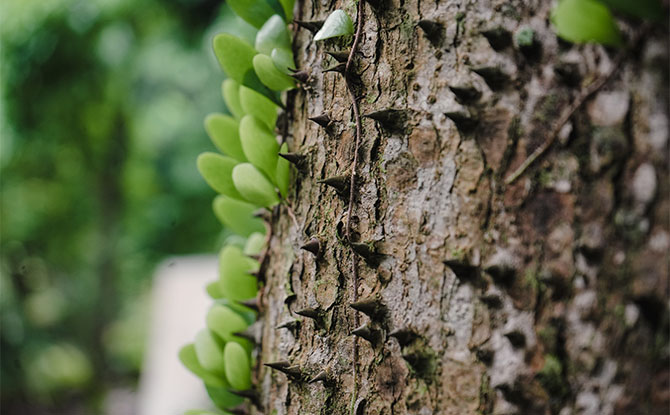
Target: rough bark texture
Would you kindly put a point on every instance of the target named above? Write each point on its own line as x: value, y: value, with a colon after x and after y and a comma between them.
x: 553, y: 298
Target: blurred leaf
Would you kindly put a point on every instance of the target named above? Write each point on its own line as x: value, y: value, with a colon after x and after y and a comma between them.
x: 189, y: 359
x: 255, y: 244
x: 283, y: 172
x: 224, y: 132
x: 217, y: 172
x: 237, y: 215
x: 236, y: 59
x: 273, y: 34
x: 270, y: 76
x: 209, y: 352
x: 225, y: 322
x: 234, y: 270
x: 254, y: 186
x: 337, y: 24
x: 259, y: 106
x: 259, y: 145
x: 231, y: 95
x: 582, y: 21
x: 283, y: 60
x: 643, y: 9
x: 222, y: 398
x: 254, y: 12
x: 237, y: 366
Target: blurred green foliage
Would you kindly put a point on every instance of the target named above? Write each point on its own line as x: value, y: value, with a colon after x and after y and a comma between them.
x: 101, y: 112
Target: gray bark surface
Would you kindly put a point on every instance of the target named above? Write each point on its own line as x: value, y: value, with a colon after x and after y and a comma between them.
x: 554, y: 295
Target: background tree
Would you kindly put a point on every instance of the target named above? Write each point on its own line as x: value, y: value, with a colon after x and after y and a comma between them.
x: 543, y: 294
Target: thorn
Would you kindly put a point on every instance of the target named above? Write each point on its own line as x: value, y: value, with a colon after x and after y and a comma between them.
x: 339, y: 68
x: 321, y: 376
x: 281, y: 365
x: 492, y: 300
x: 323, y: 120
x: 310, y: 312
x: 372, y: 307
x: 290, y: 298
x: 298, y: 160
x: 339, y: 183
x: 485, y: 356
x: 517, y: 338
x: 390, y: 119
x: 360, y: 405
x: 463, y: 270
x: 251, y: 333
x: 364, y: 250
x: 404, y: 336
x: 568, y: 72
x: 313, y: 26
x: 499, y: 38
x: 464, y: 122
x: 246, y: 335
x: 466, y: 94
x: 256, y: 257
x: 251, y: 303
x: 247, y: 394
x: 367, y: 333
x: 434, y: 31
x: 339, y: 56
x: 300, y: 76
x: 494, y: 77
x: 292, y: 325
x: 313, y: 246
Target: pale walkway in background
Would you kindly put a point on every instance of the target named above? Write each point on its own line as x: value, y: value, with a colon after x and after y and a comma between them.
x: 179, y: 305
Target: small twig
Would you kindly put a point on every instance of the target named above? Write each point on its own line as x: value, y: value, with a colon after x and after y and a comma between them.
x: 565, y: 117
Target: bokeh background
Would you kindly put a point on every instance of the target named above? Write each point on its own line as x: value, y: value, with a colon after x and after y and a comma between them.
x: 102, y: 106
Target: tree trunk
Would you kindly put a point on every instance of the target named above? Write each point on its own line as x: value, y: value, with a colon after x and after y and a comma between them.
x: 544, y: 295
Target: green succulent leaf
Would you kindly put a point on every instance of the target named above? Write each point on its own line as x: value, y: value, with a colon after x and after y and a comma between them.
x: 273, y: 34
x: 287, y: 5
x: 259, y: 145
x: 283, y: 172
x: 259, y: 106
x: 222, y: 398
x: 214, y: 289
x: 209, y: 352
x: 270, y: 76
x: 337, y: 24
x: 237, y: 215
x: 283, y: 60
x: 236, y: 59
x: 223, y: 130
x: 582, y: 21
x: 643, y: 9
x: 237, y: 366
x: 230, y: 90
x: 217, y: 172
x: 223, y: 321
x: 254, y: 186
x: 255, y: 244
x: 234, y: 269
x: 189, y: 359
x: 254, y: 12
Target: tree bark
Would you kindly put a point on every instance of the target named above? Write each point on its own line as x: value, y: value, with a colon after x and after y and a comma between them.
x: 544, y: 295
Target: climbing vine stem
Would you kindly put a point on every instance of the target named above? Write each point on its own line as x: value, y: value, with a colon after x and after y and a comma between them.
x: 352, y: 183
x: 589, y: 90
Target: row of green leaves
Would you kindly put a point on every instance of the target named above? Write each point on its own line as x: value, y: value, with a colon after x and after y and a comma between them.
x: 582, y: 21
x: 247, y: 174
